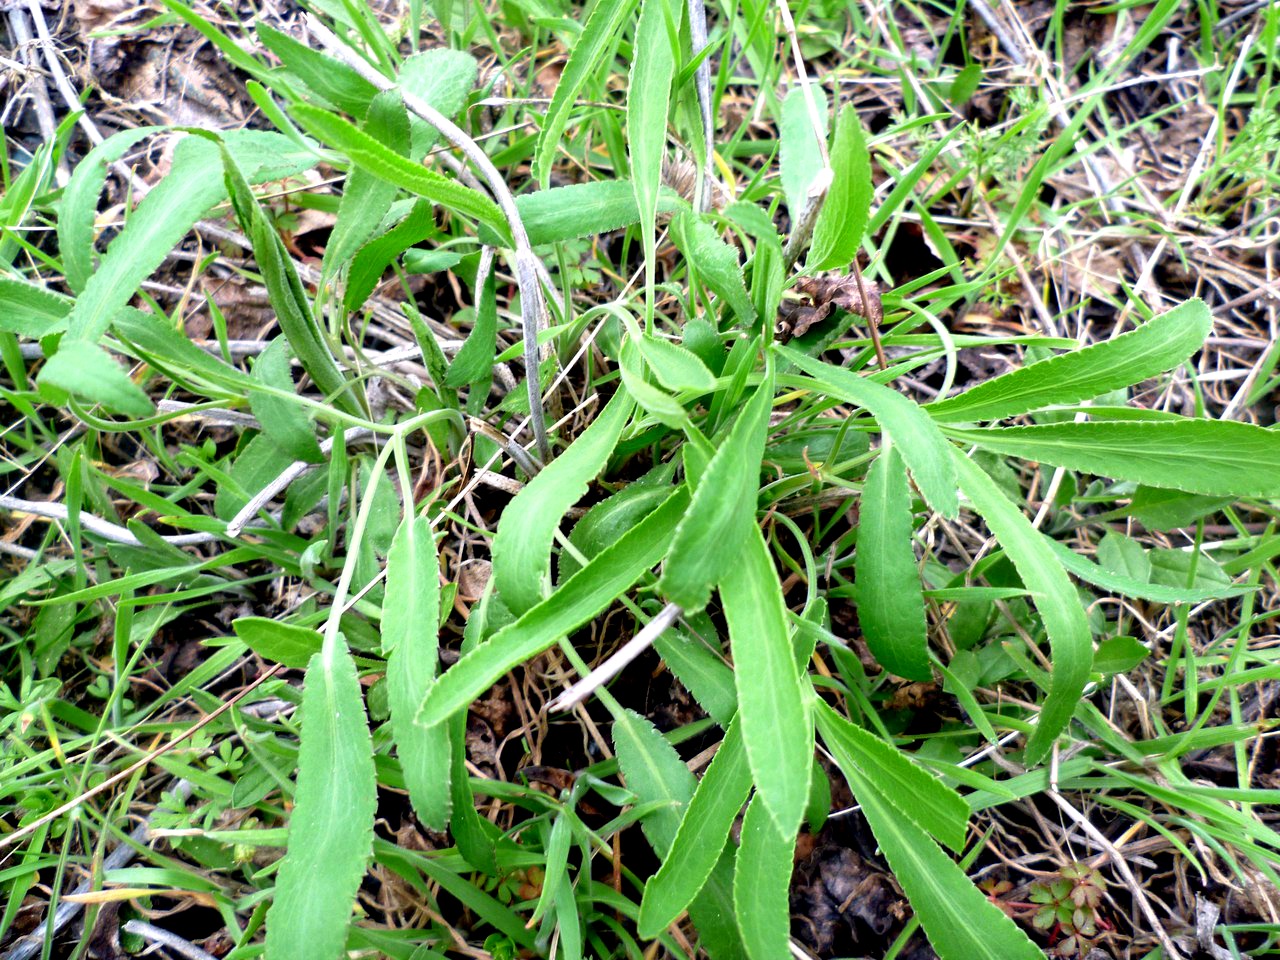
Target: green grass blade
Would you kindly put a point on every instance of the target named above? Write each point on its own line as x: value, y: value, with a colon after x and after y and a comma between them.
x: 919, y: 796
x: 887, y: 588
x: 723, y: 508
x: 760, y: 884
x: 410, y: 639
x: 522, y: 546
x: 772, y: 699
x: 1158, y: 345
x: 331, y: 829
x: 843, y: 220
x: 582, y: 597
x: 1064, y: 620
x: 1211, y: 457
x: 701, y: 836
x: 917, y: 437
x: 585, y: 61
x: 648, y: 99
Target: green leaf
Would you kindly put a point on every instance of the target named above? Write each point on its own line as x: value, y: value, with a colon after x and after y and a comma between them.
x: 582, y: 210
x: 88, y: 372
x: 474, y: 362
x: 583, y: 596
x: 615, y: 515
x: 30, y: 310
x: 887, y: 590
x: 1124, y: 557
x: 388, y: 165
x: 1064, y: 620
x: 79, y: 209
x: 410, y: 639
x: 675, y: 367
x: 962, y: 924
x: 282, y: 420
x: 285, y: 643
x: 522, y: 545
x: 1119, y: 655
x: 648, y: 99
x: 372, y: 259
x: 366, y: 198
x: 918, y: 438
x: 443, y: 78
x: 838, y: 233
x: 1128, y: 586
x: 193, y: 185
x: 1158, y: 345
x: 330, y: 79
x: 655, y: 773
x: 331, y: 828
x: 919, y: 796
x: 585, y: 62
x: 162, y: 346
x: 773, y: 701
x: 800, y: 160
x: 700, y: 836
x: 1213, y: 457
x: 716, y: 263
x: 284, y: 290
x: 760, y: 885
x: 723, y: 508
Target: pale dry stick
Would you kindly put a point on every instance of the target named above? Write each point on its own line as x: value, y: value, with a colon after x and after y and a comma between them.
x: 96, y: 525
x: 10, y: 839
x: 615, y: 664
x: 1122, y: 868
x: 284, y: 479
x: 702, y: 80
x: 60, y: 80
x: 532, y: 307
x: 24, y: 41
x: 154, y: 934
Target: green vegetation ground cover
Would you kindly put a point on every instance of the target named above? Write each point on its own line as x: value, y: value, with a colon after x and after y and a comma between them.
x: 637, y: 479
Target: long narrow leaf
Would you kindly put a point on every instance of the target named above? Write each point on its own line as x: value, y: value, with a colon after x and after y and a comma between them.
x: 522, y: 546
x: 1212, y: 457
x: 648, y: 99
x: 410, y: 638
x: 701, y: 836
x: 917, y: 437
x: 723, y: 508
x: 1158, y: 345
x: 585, y: 60
x: 772, y: 700
x: 920, y: 797
x: 331, y: 830
x: 887, y: 588
x: 760, y: 884
x: 962, y: 924
x: 1064, y: 620
x: 582, y: 597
